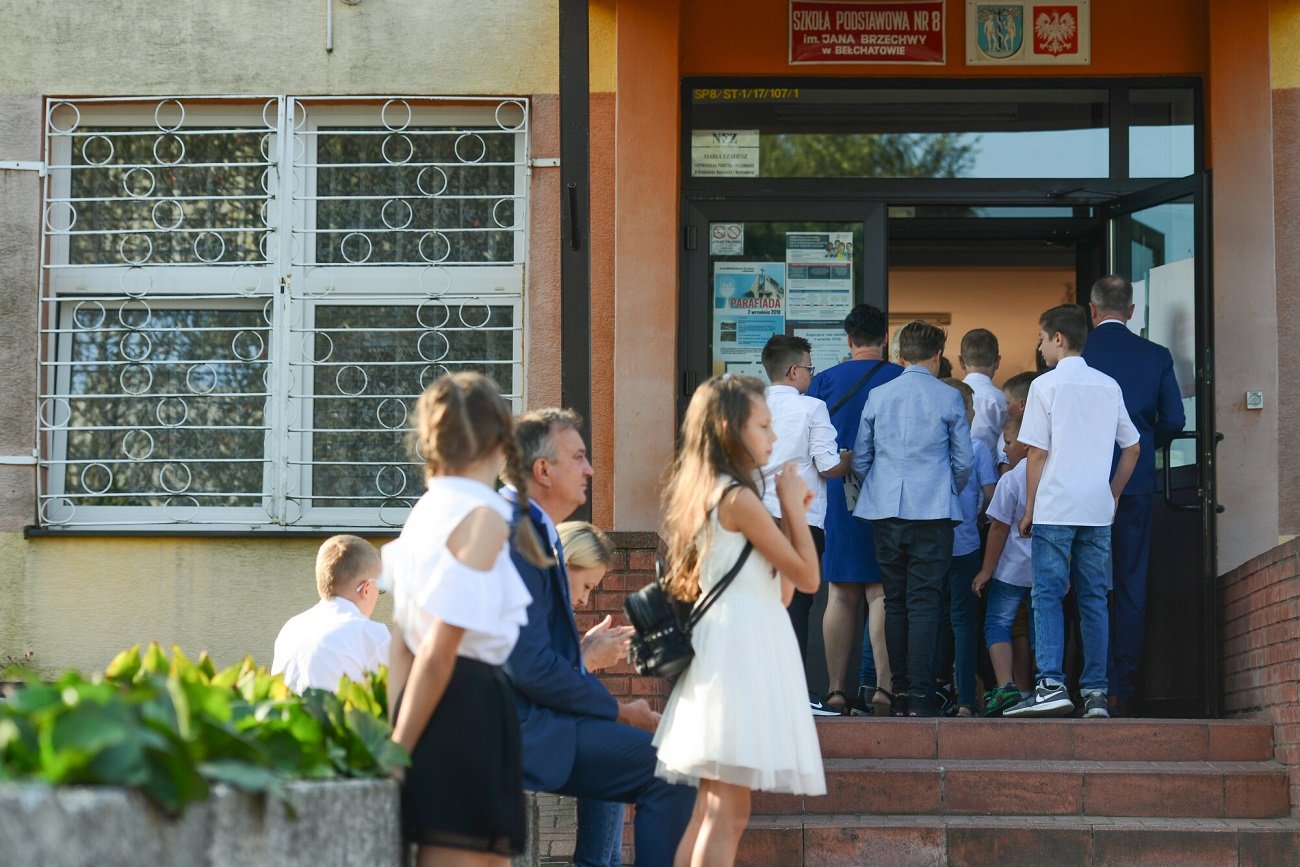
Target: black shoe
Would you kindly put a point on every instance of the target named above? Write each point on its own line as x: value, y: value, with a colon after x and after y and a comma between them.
x: 862, y: 701
x: 899, y: 706
x: 818, y: 708
x: 944, y: 700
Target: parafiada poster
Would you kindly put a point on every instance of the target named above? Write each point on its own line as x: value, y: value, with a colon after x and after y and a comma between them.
x: 748, y: 308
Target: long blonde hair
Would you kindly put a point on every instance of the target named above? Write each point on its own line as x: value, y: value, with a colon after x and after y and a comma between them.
x: 711, y: 447
x: 460, y: 418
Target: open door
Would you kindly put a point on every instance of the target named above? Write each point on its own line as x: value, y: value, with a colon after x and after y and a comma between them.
x: 1160, y: 238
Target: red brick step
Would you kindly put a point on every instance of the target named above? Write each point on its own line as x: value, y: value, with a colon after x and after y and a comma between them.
x: 1118, y: 740
x: 902, y: 841
x: 1236, y: 790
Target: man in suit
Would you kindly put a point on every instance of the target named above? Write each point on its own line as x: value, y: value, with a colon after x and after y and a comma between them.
x: 913, y: 454
x: 1145, y: 373
x: 577, y: 739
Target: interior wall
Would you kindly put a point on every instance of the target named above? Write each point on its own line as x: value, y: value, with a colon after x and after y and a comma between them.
x: 1006, y: 301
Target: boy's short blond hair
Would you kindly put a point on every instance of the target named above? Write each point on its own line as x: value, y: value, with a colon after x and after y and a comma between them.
x: 340, y: 560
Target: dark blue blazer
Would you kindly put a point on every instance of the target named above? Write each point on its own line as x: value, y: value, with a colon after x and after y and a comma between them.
x: 1145, y: 373
x: 552, y: 690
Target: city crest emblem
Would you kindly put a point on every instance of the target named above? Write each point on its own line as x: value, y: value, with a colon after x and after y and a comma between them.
x: 999, y: 30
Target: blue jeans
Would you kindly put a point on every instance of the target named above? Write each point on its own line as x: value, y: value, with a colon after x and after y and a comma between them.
x: 1003, y: 606
x: 600, y: 833
x: 959, y: 617
x: 1068, y: 557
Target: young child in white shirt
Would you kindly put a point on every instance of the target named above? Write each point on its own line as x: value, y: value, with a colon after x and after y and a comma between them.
x: 336, y: 635
x: 980, y: 359
x: 1007, y: 573
x: 1074, y: 418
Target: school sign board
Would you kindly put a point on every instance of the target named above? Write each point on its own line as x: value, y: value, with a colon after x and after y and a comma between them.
x: 867, y: 31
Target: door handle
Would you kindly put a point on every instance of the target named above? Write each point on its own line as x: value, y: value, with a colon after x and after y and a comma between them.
x: 1169, y: 476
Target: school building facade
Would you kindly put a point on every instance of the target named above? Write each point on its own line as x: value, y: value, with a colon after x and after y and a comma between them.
x: 237, y: 240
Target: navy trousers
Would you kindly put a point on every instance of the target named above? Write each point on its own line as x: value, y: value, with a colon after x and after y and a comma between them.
x: 1130, y: 543
x: 616, y: 762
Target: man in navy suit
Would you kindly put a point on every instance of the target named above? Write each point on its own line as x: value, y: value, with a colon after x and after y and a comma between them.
x: 577, y: 739
x: 1145, y: 373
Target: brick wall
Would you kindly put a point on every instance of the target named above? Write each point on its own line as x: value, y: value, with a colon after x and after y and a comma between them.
x: 632, y: 569
x: 1261, y: 650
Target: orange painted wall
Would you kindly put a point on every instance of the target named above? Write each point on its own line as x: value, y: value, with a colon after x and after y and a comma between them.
x: 1006, y: 301
x: 1137, y: 37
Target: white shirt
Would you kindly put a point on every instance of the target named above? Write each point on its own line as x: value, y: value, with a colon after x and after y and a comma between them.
x: 1077, y: 415
x: 1016, y: 565
x: 429, y: 583
x: 990, y: 410
x: 805, y: 435
x: 325, y: 642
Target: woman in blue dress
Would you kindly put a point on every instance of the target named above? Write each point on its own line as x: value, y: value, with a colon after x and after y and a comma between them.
x: 849, y: 564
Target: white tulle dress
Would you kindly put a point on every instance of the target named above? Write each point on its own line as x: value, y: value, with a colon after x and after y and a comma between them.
x: 740, y: 712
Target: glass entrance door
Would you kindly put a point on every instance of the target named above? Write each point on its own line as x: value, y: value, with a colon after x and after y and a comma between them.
x: 754, y: 269
x: 1157, y: 237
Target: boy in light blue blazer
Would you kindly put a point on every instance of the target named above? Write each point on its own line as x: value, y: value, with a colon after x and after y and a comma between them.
x: 913, y: 454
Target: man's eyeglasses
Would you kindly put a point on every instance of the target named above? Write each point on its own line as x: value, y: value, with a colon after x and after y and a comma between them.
x: 808, y: 367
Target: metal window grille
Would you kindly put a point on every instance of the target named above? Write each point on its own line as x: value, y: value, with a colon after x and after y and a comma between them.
x: 242, y: 298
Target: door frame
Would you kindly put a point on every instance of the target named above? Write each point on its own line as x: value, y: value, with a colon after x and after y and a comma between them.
x: 1117, y: 258
x: 694, y: 362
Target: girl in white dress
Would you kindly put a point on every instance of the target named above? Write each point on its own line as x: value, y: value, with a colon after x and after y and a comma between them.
x: 738, y: 719
x: 458, y: 604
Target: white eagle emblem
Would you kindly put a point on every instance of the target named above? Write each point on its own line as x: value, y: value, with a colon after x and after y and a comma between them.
x: 1055, y: 31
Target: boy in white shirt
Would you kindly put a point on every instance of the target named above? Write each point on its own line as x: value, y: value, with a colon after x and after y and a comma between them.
x: 806, y: 438
x: 980, y: 359
x: 336, y: 635
x: 1074, y: 418
x: 1007, y: 572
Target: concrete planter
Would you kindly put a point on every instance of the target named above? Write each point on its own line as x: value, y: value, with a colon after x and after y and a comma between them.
x: 339, y: 822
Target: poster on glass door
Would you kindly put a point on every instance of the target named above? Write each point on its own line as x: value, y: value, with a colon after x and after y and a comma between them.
x: 748, y: 308
x: 819, y: 273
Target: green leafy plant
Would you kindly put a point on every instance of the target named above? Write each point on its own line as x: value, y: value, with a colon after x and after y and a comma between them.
x: 172, y: 727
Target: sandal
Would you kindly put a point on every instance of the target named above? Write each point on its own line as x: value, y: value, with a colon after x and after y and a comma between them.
x: 881, y: 707
x: 843, y: 709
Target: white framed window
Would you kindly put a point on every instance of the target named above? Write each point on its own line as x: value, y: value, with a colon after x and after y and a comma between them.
x: 243, y: 297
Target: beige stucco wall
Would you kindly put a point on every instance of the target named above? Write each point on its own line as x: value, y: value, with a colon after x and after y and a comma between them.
x: 75, y: 601
x: 1245, y: 286
x: 249, y: 46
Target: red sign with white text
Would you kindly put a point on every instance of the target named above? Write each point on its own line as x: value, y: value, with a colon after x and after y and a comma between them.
x: 866, y: 31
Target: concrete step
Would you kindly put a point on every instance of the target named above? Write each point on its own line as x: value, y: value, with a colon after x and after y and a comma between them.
x: 1117, y: 740
x: 1008, y: 841
x: 1230, y: 790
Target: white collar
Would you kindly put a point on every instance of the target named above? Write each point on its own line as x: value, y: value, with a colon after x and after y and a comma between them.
x: 1111, y: 319
x: 1071, y: 360
x: 978, y: 377
x: 347, y: 606
x: 781, y: 388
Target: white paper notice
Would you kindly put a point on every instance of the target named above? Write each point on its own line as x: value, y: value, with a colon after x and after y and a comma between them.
x: 1172, y: 317
x: 829, y: 345
x: 1139, y: 320
x: 819, y: 274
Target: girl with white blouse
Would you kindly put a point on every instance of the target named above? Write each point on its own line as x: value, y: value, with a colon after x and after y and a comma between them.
x: 458, y: 604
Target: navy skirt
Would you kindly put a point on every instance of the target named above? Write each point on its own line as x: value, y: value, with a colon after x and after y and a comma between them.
x: 464, y: 789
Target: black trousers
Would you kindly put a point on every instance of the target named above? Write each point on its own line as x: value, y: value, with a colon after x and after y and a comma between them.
x: 801, y: 605
x: 914, y: 557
